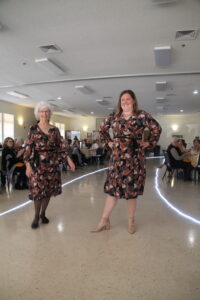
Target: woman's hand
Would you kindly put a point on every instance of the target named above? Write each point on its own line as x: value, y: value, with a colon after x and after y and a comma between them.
x: 71, y: 164
x: 20, y: 152
x: 110, y: 144
x: 144, y: 144
x: 29, y: 170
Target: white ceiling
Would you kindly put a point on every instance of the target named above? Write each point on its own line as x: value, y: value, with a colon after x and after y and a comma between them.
x: 107, y: 45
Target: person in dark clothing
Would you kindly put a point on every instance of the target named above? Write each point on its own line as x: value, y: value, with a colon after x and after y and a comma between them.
x: 9, y: 159
x: 177, y: 159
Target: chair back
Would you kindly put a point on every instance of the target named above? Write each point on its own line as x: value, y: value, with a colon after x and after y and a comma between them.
x: 167, y: 159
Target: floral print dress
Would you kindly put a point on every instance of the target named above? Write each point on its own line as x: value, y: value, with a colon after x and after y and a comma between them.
x: 126, y: 173
x: 45, y: 153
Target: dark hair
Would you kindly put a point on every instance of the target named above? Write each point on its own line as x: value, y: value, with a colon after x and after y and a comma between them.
x: 6, y: 141
x: 132, y: 94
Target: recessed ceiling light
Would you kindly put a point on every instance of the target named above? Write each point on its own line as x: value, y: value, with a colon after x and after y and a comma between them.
x: 59, y: 98
x: 92, y: 112
x: 181, y: 110
x: 17, y: 94
x: 50, y: 66
x: 195, y: 92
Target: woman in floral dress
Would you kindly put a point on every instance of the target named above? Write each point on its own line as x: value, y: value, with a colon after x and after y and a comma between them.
x: 126, y: 172
x: 43, y: 155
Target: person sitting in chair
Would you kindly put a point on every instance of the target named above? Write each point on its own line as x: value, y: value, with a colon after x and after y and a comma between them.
x: 177, y: 159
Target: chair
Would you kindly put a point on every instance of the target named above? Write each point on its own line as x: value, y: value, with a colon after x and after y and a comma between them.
x: 98, y: 156
x: 169, y: 167
x: 196, y: 170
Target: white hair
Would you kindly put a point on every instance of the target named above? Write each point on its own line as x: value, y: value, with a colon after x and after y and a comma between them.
x: 41, y: 105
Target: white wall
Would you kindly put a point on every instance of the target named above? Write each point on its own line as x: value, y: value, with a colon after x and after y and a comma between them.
x: 188, y: 126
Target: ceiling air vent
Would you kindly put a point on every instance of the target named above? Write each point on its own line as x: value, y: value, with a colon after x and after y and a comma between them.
x: 161, y: 85
x: 102, y: 102
x: 161, y: 100
x: 186, y: 35
x: 50, y: 49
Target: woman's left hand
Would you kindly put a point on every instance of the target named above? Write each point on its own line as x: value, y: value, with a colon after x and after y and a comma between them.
x: 71, y: 164
x: 144, y: 144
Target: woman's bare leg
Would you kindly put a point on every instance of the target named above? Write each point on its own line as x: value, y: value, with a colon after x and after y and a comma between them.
x: 131, y: 205
x: 108, y: 208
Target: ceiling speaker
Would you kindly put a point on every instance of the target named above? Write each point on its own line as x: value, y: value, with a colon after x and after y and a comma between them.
x: 163, y: 56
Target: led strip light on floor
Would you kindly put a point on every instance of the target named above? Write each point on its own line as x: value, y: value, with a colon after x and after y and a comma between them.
x: 176, y: 210
x: 66, y: 183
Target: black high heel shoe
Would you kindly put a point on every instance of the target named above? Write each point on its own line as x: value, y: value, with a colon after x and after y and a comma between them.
x: 34, y: 225
x: 44, y: 219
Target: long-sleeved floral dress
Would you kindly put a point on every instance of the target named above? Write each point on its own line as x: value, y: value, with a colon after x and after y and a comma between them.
x: 126, y: 173
x: 45, y: 153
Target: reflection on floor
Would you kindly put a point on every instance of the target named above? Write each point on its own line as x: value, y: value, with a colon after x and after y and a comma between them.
x: 63, y: 260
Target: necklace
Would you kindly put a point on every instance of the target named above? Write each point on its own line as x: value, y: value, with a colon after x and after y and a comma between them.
x: 44, y: 127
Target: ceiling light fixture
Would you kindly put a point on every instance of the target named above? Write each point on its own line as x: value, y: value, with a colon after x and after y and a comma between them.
x: 195, y: 92
x: 50, y: 66
x: 92, y: 112
x: 181, y: 110
x: 83, y: 89
x: 59, y: 98
x: 17, y: 94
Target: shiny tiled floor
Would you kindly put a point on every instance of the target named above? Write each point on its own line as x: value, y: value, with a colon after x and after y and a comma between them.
x: 63, y: 260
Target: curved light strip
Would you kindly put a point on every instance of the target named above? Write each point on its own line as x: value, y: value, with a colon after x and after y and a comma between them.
x: 68, y: 182
x: 179, y: 212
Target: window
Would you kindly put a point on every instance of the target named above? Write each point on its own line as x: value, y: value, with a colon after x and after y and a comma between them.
x: 61, y: 127
x: 6, y: 126
x: 1, y: 133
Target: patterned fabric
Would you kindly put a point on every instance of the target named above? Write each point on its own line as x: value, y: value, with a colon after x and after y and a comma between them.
x: 44, y: 153
x: 126, y: 173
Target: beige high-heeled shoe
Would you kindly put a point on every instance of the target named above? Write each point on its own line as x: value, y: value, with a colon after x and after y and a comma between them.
x: 131, y: 225
x: 104, y: 225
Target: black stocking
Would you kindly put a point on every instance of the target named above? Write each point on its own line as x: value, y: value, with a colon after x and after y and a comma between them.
x: 37, y: 204
x: 45, y: 203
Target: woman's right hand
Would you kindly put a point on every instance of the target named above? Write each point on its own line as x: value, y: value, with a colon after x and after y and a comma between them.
x: 29, y: 170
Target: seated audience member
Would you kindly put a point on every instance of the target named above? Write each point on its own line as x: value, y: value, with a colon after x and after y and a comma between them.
x: 19, y: 149
x: 95, y: 146
x: 78, y: 153
x: 195, y: 149
x: 88, y: 143
x: 69, y: 147
x: 182, y: 145
x: 195, y: 153
x: 9, y: 159
x: 177, y: 159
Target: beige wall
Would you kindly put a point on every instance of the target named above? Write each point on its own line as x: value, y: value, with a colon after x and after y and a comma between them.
x: 19, y: 112
x: 28, y: 115
x: 60, y: 119
x: 188, y: 126
x: 78, y: 124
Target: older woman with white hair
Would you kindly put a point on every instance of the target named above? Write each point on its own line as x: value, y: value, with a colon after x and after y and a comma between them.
x: 43, y: 155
